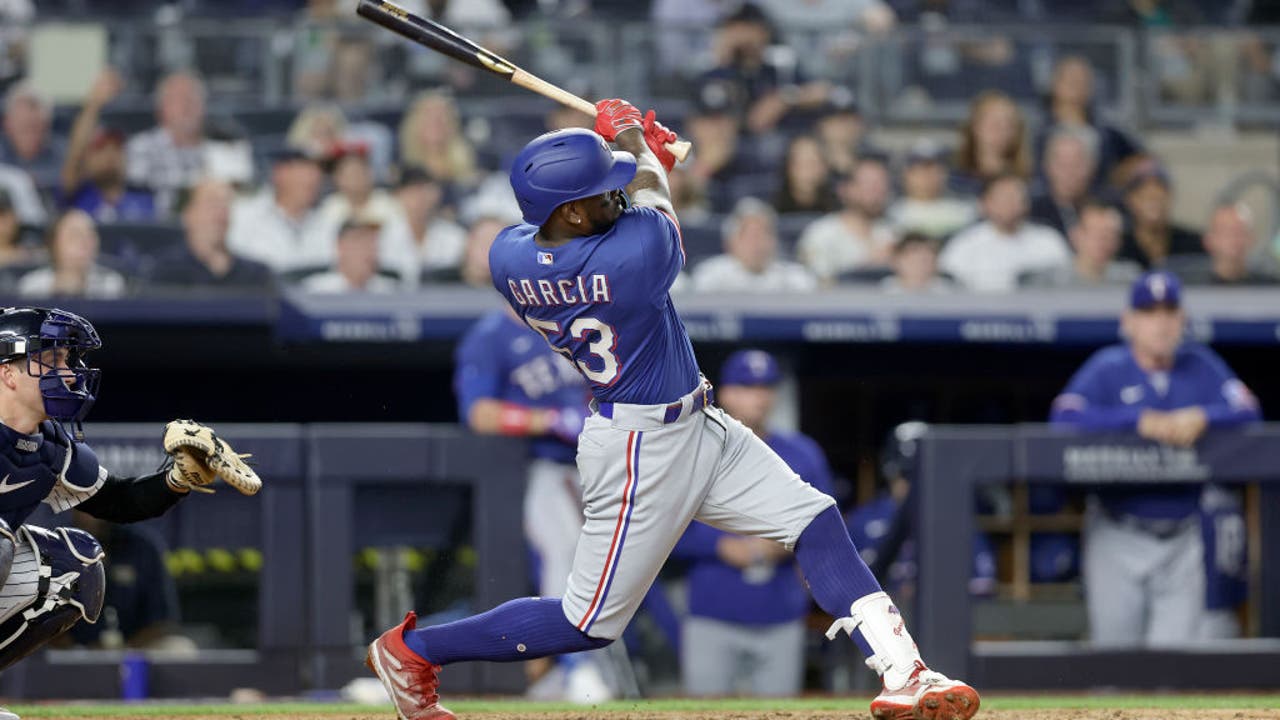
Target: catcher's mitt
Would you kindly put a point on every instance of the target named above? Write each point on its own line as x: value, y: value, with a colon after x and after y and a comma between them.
x: 200, y: 457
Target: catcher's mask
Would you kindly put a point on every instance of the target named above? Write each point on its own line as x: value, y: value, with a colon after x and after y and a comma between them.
x: 68, y: 390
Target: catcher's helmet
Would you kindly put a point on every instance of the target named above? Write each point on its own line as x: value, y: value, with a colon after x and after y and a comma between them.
x: 565, y: 165
x: 25, y: 332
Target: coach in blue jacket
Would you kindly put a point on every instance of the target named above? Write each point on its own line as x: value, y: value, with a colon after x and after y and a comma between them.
x: 745, y: 630
x: 1144, y: 556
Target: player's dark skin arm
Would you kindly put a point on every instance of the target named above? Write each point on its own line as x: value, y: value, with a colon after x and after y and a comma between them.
x: 649, y: 186
x: 127, y: 500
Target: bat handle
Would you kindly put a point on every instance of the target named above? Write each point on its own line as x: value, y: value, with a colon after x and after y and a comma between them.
x: 680, y: 148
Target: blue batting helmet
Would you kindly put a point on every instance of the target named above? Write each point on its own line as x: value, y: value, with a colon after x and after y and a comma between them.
x: 565, y: 165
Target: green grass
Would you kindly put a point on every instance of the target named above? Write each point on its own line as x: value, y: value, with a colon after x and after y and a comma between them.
x: 994, y: 702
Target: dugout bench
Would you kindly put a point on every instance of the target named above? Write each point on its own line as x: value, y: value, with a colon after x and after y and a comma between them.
x: 954, y: 460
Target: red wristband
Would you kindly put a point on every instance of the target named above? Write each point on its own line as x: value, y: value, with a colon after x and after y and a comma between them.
x: 514, y: 419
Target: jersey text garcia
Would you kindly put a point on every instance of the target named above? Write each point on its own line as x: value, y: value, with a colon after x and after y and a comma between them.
x: 579, y: 290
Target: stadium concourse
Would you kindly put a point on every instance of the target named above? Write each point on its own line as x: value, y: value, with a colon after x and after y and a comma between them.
x: 923, y: 222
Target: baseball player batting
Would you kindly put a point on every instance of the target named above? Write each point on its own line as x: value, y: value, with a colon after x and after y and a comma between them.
x: 590, y: 269
x: 51, y: 579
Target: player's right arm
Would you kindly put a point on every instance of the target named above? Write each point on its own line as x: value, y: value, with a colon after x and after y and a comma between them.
x: 620, y: 122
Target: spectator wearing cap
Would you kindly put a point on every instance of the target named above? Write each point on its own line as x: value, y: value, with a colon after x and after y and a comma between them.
x: 1072, y: 106
x: 357, y: 196
x: 102, y: 191
x: 355, y: 268
x: 857, y: 236
x: 760, y: 92
x: 925, y: 205
x: 279, y: 226
x: 1153, y: 237
x: 1095, y: 240
x: 93, y: 172
x: 170, y: 157
x: 992, y: 255
x: 1069, y: 163
x: 27, y: 141
x: 1229, y: 242
x: 718, y: 156
x: 806, y: 179
x: 993, y: 142
x: 915, y: 267
x: 205, y: 260
x: 1144, y: 560
x: 439, y: 241
x: 322, y: 126
x: 747, y: 604
x: 842, y: 130
x: 750, y: 260
x: 73, y: 269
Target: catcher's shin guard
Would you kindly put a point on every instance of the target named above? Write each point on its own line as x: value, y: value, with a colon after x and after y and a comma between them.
x: 63, y: 568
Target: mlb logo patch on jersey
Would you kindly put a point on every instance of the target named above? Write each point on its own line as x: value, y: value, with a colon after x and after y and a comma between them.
x: 545, y: 258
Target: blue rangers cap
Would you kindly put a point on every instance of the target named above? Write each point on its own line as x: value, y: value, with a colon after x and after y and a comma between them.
x: 1159, y: 287
x: 750, y: 367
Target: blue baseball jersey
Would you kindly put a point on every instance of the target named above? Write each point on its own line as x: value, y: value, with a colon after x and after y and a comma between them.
x: 45, y: 467
x: 603, y: 301
x: 754, y: 596
x: 499, y: 358
x: 1110, y: 392
x: 1226, y: 557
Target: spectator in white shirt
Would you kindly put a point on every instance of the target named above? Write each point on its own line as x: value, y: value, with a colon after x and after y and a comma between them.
x: 1095, y: 238
x: 74, y: 270
x: 357, y: 196
x: 915, y: 267
x: 27, y: 141
x: 170, y: 158
x: 990, y: 256
x: 925, y: 206
x: 439, y: 241
x: 355, y: 268
x: 857, y: 236
x: 279, y: 226
x: 750, y: 261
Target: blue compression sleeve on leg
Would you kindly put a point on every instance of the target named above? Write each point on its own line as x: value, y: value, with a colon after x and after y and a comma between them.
x: 519, y: 629
x: 835, y: 572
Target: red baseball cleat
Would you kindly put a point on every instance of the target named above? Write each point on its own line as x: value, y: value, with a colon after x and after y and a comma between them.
x: 928, y: 695
x: 411, y: 681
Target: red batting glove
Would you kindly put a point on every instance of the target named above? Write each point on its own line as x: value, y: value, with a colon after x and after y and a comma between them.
x: 613, y: 116
x: 656, y: 136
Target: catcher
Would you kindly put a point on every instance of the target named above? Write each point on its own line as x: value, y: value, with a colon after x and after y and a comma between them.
x: 50, y: 579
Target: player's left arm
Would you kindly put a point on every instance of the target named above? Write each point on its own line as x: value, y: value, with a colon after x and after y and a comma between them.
x: 88, y: 486
x: 1231, y: 402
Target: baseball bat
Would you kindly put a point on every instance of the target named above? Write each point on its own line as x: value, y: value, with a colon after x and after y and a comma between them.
x: 443, y: 40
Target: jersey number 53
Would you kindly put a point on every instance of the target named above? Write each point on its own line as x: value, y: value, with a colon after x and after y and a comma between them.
x: 602, y: 346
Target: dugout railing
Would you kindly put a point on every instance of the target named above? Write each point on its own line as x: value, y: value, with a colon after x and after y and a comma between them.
x: 954, y: 461
x: 332, y: 489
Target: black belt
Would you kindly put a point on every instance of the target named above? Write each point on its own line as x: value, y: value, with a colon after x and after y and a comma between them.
x: 700, y: 401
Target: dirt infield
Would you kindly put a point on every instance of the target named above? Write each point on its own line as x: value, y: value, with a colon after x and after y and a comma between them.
x: 1047, y: 714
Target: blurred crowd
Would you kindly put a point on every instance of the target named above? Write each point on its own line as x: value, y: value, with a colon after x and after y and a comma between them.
x: 787, y: 189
